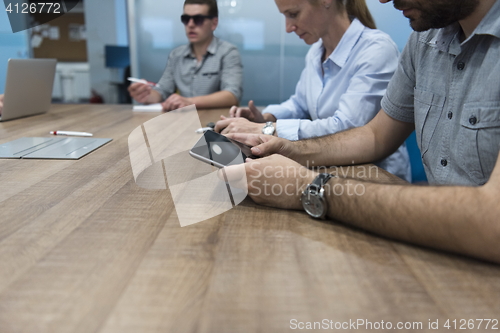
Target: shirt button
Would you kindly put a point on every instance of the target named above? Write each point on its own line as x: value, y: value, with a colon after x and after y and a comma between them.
x: 450, y: 115
x: 444, y: 162
x: 473, y: 120
x: 461, y: 66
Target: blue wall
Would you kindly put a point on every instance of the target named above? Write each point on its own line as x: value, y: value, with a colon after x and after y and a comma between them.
x: 391, y: 21
x: 11, y: 45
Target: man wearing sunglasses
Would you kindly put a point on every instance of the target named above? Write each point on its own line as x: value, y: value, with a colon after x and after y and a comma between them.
x: 206, y: 72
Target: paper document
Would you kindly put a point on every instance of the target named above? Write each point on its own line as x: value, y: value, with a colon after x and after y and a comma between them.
x: 148, y: 108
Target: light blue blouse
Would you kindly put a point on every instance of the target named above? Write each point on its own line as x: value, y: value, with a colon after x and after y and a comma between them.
x: 347, y: 95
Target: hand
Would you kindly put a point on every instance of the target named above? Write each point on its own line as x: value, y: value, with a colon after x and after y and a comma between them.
x: 274, y: 181
x: 265, y: 145
x: 237, y: 125
x: 140, y: 92
x: 1, y: 104
x: 251, y: 113
x: 175, y: 101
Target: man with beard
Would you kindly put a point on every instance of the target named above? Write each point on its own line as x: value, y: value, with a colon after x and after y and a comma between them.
x: 447, y: 88
x: 206, y: 72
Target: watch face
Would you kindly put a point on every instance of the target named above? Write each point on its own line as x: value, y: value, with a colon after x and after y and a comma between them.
x: 269, y: 130
x: 312, y: 204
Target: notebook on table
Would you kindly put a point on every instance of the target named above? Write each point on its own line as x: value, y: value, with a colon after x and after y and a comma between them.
x: 50, y: 148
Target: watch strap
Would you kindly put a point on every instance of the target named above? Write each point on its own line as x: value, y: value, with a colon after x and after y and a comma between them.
x: 320, y: 180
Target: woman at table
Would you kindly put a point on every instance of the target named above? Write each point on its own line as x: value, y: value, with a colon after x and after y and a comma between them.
x: 347, y: 70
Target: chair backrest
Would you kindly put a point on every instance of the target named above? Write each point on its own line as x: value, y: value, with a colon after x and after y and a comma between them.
x: 417, y: 167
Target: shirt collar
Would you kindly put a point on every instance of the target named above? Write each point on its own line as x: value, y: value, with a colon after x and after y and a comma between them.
x: 490, y: 25
x: 341, y: 53
x: 444, y: 37
x: 212, y: 48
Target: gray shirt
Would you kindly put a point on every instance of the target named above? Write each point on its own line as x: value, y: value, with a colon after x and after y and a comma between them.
x: 220, y: 69
x: 451, y: 91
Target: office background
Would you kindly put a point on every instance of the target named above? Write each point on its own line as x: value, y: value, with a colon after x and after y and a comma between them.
x: 272, y: 58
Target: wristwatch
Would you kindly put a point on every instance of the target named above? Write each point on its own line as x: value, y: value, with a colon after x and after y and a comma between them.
x: 268, y: 128
x: 313, y: 198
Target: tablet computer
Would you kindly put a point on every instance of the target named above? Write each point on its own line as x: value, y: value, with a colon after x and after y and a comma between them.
x: 220, y: 151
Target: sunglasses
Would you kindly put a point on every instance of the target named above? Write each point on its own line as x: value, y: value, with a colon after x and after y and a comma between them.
x: 197, y: 19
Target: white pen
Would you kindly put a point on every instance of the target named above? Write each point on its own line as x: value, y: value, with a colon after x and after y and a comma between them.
x: 204, y: 129
x: 133, y: 79
x: 70, y: 133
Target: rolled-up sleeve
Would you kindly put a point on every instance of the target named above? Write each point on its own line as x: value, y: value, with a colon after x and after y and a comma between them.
x: 398, y: 101
x: 232, y: 73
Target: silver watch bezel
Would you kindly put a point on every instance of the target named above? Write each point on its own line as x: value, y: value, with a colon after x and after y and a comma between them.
x: 268, y: 127
x: 318, y: 197
x: 317, y: 192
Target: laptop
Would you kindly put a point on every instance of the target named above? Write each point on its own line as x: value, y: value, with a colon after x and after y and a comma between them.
x: 28, y: 89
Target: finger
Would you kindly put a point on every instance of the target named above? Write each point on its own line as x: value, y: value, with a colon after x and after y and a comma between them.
x: 232, y: 111
x: 250, y: 139
x: 220, y: 125
x: 269, y: 146
x: 166, y: 105
x: 142, y: 97
x: 242, y: 113
x: 256, y: 114
x: 252, y: 107
x: 226, y: 130
x: 139, y: 87
x: 133, y: 86
x: 237, y: 112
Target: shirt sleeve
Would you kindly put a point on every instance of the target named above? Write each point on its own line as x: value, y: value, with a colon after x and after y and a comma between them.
x: 398, y: 101
x: 290, y: 112
x: 166, y: 84
x: 232, y: 73
x: 361, y: 100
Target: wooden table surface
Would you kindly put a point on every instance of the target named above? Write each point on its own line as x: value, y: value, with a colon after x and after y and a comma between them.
x: 84, y: 249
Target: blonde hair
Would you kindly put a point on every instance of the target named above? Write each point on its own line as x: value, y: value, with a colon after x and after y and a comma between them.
x: 359, y: 10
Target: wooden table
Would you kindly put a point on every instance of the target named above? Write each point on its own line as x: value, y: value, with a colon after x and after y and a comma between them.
x: 84, y: 249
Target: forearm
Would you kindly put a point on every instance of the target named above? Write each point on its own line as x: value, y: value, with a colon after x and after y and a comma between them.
x: 345, y: 148
x: 219, y: 99
x: 376, y: 140
x: 457, y: 219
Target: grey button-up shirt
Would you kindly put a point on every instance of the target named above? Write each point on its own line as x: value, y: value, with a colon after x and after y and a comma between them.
x: 451, y: 91
x: 220, y: 69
